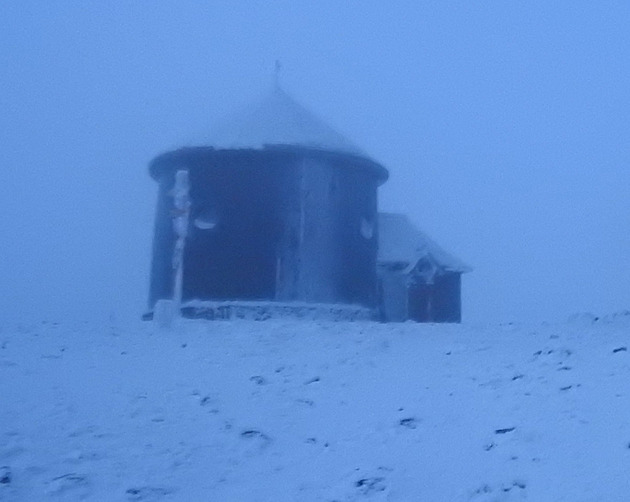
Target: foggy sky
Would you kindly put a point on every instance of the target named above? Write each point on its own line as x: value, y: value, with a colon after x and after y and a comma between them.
x: 505, y: 127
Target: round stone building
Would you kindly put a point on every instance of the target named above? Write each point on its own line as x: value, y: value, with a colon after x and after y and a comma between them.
x: 283, y: 216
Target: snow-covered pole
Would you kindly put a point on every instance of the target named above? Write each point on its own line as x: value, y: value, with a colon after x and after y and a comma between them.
x: 181, y: 211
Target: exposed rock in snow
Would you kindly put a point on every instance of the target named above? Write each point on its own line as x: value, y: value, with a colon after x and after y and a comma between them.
x: 5, y: 475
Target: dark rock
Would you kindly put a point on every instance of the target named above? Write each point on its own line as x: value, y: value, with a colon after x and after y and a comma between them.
x: 409, y: 423
x: 253, y: 433
x: 147, y: 493
x: 5, y: 475
x: 258, y: 380
x: 515, y: 484
x: 371, y: 485
x: 483, y: 489
x: 504, y: 431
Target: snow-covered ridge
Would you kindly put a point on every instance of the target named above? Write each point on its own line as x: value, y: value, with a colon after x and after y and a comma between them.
x: 316, y: 411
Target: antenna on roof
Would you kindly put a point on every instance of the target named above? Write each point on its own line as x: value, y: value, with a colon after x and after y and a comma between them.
x: 276, y: 74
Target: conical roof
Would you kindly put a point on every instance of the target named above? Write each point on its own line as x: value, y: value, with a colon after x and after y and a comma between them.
x: 278, y: 120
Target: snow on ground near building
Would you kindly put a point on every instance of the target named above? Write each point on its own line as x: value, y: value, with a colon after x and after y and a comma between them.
x: 290, y: 411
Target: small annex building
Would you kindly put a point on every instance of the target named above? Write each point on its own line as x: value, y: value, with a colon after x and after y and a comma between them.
x: 418, y: 280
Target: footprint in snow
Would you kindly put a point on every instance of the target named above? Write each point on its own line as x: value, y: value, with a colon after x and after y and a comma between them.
x: 513, y: 490
x: 254, y: 442
x: 505, y: 430
x: 5, y: 475
x: 252, y: 433
x: 368, y: 486
x: 71, y: 483
x: 409, y: 423
x: 305, y: 402
x: 147, y: 493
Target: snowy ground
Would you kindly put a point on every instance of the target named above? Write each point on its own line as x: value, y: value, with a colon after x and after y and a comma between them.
x: 289, y: 411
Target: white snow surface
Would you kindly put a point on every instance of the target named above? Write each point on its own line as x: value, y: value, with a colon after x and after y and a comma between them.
x: 277, y: 119
x: 316, y: 411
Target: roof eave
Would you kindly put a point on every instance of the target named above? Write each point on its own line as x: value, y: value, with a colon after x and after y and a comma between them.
x: 169, y: 158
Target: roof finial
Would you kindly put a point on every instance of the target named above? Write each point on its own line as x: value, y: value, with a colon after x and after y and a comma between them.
x: 276, y: 74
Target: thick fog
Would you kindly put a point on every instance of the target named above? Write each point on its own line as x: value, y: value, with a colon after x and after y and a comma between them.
x: 505, y: 127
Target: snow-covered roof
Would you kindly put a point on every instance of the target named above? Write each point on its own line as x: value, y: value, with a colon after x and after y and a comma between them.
x: 274, y: 122
x: 277, y: 119
x: 402, y: 243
